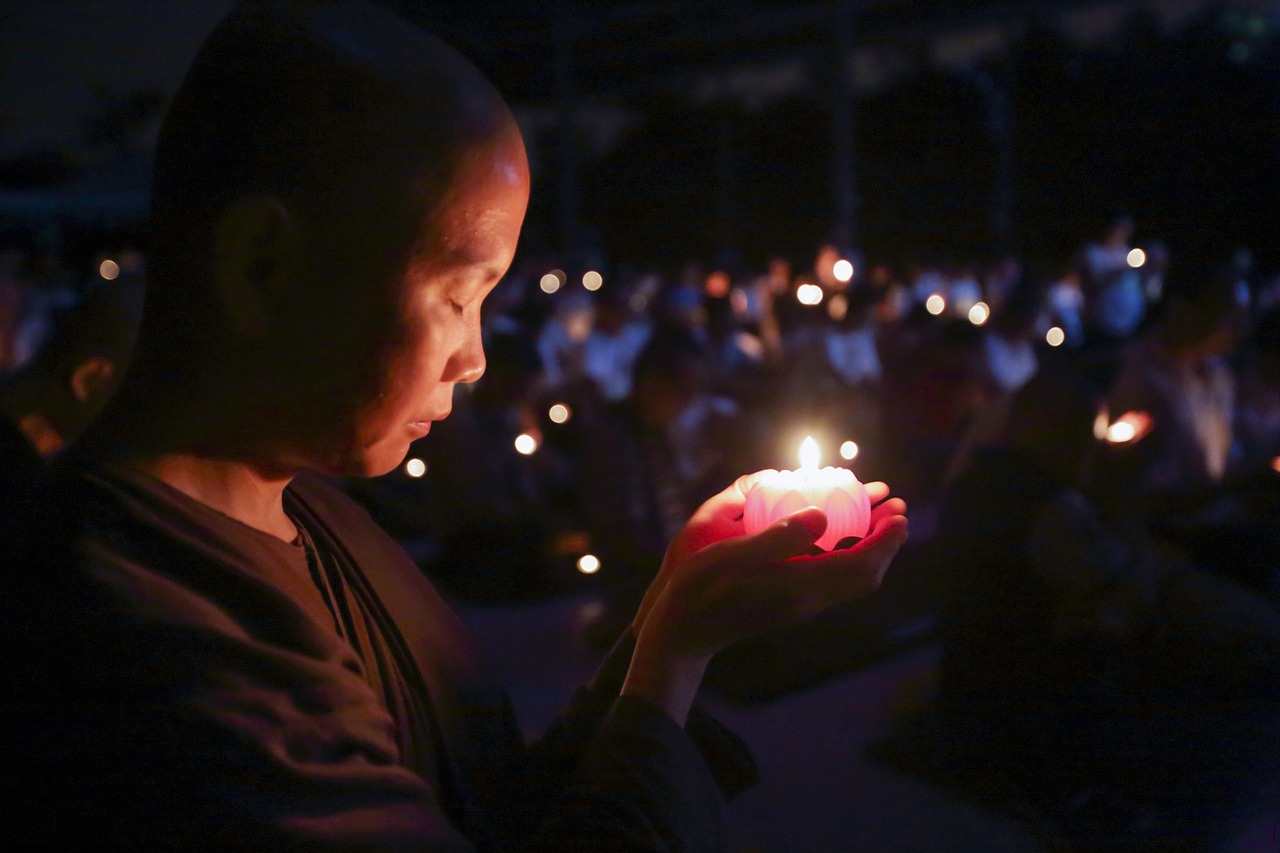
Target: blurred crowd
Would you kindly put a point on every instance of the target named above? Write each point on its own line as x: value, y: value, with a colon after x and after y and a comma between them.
x: 1092, y: 448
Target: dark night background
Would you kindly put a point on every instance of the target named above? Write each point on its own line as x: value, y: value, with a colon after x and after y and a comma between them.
x: 662, y: 131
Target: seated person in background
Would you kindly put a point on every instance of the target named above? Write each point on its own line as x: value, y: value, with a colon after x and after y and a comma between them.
x: 1131, y: 692
x: 51, y: 399
x: 212, y: 648
x: 649, y: 461
x: 1178, y: 374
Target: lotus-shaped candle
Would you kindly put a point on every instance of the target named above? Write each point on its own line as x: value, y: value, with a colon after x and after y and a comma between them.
x: 836, y: 491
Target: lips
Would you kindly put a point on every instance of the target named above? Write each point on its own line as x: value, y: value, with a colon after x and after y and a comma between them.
x: 419, y: 428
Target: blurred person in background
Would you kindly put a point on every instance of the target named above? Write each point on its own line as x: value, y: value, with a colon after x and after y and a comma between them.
x: 1131, y: 699
x: 1114, y: 301
x: 50, y: 401
x: 1178, y: 373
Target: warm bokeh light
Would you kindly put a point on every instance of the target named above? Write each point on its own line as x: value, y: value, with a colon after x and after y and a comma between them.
x: 109, y: 270
x: 550, y: 283
x: 559, y: 413
x: 592, y: 280
x: 526, y: 444
x: 1121, y: 432
x: 588, y: 564
x: 415, y: 468
x: 979, y: 313
x: 1100, y: 423
x: 1129, y: 427
x: 935, y: 304
x: 842, y: 270
x: 740, y: 302
x: 717, y: 285
x: 809, y: 294
x: 1055, y: 337
x: 1275, y: 464
x: 849, y: 450
x: 838, y: 307
x: 1136, y: 258
x: 810, y: 453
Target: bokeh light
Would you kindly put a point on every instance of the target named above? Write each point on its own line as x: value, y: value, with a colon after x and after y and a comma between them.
x: 526, y: 444
x: 559, y: 413
x: 809, y: 294
x: 849, y: 450
x: 838, y: 307
x: 1055, y: 337
x: 1136, y: 258
x: 588, y: 564
x: 592, y: 280
x: 1121, y: 432
x: 717, y: 285
x: 550, y: 283
x: 842, y: 270
x: 415, y: 468
x: 979, y: 313
x: 935, y: 304
x: 109, y: 270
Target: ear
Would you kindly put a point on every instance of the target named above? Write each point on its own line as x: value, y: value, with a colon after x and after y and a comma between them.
x: 256, y: 257
x: 90, y: 379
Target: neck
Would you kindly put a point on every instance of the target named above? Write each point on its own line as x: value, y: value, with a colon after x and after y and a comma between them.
x: 242, y: 491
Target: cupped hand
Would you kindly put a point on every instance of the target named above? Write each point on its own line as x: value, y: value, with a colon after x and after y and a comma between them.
x: 718, y: 585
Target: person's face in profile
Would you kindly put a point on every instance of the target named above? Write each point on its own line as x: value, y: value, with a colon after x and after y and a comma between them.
x: 432, y: 340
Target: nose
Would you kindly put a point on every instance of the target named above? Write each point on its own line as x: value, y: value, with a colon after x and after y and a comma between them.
x: 468, y: 362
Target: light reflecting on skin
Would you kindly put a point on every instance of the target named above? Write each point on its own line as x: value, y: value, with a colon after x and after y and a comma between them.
x: 809, y: 294
x: 849, y: 450
x: 979, y: 313
x: 415, y: 468
x: 592, y: 280
x: 588, y: 564
x: 559, y: 413
x: 1055, y: 337
x: 109, y: 270
x: 550, y: 283
x: 842, y: 270
x: 1136, y: 258
x: 526, y: 445
x: 935, y: 304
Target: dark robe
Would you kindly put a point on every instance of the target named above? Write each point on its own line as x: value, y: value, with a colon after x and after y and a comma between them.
x: 181, y: 680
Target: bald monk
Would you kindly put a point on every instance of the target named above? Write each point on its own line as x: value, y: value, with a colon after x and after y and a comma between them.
x: 215, y: 649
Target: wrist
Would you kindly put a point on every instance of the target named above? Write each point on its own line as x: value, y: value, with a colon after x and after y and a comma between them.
x: 668, y: 680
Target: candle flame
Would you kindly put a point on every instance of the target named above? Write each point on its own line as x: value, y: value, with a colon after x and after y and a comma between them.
x: 810, y: 454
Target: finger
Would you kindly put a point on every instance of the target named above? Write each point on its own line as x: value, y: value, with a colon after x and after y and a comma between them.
x: 876, y: 491
x: 888, y: 532
x: 893, y: 506
x: 728, y: 503
x: 785, y: 538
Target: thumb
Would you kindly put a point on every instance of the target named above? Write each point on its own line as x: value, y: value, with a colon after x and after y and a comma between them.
x: 790, y: 536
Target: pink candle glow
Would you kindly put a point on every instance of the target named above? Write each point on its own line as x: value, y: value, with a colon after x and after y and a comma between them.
x: 836, y: 491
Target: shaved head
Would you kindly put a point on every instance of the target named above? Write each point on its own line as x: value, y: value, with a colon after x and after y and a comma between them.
x: 317, y: 157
